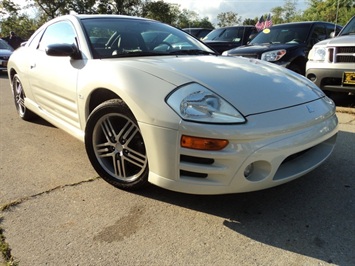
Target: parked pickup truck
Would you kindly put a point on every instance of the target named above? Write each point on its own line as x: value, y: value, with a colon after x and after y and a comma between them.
x: 331, y: 63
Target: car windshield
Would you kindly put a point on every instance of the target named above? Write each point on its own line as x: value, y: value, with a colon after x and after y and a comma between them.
x: 283, y: 34
x: 234, y: 34
x: 123, y: 37
x: 349, y: 28
x: 5, y: 46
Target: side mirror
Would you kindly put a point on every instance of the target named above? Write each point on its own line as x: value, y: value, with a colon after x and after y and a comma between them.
x: 332, y: 34
x: 63, y: 49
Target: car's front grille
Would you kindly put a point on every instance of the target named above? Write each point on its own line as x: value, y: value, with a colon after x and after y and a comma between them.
x: 195, y: 161
x: 342, y: 54
x: 249, y: 55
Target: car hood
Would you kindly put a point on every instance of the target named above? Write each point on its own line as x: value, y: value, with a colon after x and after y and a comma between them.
x: 261, y: 48
x: 214, y: 41
x: 347, y: 40
x: 251, y: 85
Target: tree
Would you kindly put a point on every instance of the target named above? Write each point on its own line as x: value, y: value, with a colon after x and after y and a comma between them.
x: 53, y: 8
x: 127, y: 7
x: 289, y: 10
x: 204, y: 23
x: 249, y: 21
x: 82, y: 7
x: 104, y: 7
x: 13, y: 20
x: 329, y: 10
x: 190, y: 19
x: 286, y: 13
x: 186, y: 19
x: 159, y: 10
x: 277, y: 15
x: 228, y: 19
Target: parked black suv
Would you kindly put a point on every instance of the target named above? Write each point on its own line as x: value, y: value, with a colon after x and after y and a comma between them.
x: 286, y: 44
x: 199, y: 33
x: 226, y: 38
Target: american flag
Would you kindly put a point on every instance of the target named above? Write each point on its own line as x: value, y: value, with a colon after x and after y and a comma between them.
x: 260, y: 24
x: 268, y: 22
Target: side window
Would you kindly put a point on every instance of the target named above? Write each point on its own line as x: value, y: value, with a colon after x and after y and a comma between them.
x: 35, y: 41
x: 60, y: 32
x: 253, y: 33
x: 319, y: 34
x: 331, y: 29
x: 231, y: 35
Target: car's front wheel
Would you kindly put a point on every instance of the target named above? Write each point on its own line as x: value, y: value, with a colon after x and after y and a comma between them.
x: 19, y: 97
x: 115, y: 145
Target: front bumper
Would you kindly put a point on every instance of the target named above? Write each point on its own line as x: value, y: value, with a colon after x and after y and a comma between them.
x: 280, y: 145
x: 330, y: 77
x: 3, y: 64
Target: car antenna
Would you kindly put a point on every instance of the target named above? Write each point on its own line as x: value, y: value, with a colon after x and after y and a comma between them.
x: 336, y: 19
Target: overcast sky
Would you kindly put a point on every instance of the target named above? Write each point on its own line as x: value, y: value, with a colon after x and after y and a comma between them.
x: 244, y: 8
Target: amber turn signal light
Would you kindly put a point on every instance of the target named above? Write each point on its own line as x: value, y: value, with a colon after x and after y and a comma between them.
x: 203, y: 143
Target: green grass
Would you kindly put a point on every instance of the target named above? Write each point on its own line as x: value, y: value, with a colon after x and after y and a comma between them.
x: 5, y: 249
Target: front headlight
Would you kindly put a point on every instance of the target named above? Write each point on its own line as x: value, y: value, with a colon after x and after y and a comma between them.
x: 319, y: 54
x: 273, y: 56
x: 194, y: 102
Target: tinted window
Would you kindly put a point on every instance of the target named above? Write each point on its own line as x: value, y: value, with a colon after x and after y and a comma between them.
x: 34, y: 42
x: 5, y: 45
x: 330, y: 29
x: 349, y: 27
x: 319, y: 33
x: 203, y: 33
x: 60, y: 32
x: 134, y: 37
x: 296, y: 33
x: 226, y: 34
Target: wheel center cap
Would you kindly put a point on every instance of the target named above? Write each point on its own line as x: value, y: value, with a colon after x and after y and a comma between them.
x: 119, y: 147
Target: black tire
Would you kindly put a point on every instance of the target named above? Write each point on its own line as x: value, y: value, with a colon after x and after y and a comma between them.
x: 19, y: 98
x: 115, y: 146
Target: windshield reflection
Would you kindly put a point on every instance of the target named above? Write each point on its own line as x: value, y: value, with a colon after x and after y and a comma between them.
x: 116, y: 37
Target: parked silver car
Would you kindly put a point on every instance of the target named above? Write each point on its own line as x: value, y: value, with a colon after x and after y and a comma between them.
x: 331, y: 63
x: 168, y: 110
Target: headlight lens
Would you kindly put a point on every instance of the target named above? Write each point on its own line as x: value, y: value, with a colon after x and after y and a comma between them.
x: 196, y: 103
x: 319, y: 54
x: 273, y: 56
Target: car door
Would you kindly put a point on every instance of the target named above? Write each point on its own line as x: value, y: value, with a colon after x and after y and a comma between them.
x: 53, y: 79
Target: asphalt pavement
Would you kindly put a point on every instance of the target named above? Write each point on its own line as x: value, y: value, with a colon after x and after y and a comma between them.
x: 55, y: 210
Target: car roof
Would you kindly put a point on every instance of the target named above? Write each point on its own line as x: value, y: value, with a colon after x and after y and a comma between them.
x: 83, y: 16
x: 94, y: 16
x: 237, y: 26
x: 197, y: 29
x: 303, y: 23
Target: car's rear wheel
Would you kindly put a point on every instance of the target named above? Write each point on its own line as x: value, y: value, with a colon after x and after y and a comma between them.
x: 19, y: 97
x: 115, y: 145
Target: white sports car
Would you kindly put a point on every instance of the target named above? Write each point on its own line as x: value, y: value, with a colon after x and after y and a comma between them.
x: 154, y: 104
